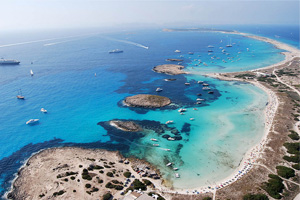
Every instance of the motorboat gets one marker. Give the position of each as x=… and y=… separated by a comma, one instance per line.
x=177, y=51
x=20, y=96
x=187, y=84
x=170, y=122
x=170, y=138
x=32, y=121
x=156, y=145
x=177, y=175
x=43, y=110
x=159, y=89
x=116, y=51
x=153, y=139
x=169, y=164
x=181, y=110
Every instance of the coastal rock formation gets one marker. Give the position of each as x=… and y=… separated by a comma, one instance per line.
x=147, y=101
x=170, y=69
x=129, y=126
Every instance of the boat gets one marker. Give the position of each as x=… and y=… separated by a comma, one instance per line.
x=192, y=119
x=175, y=168
x=247, y=49
x=170, y=138
x=167, y=149
x=195, y=109
x=43, y=110
x=198, y=102
x=177, y=51
x=187, y=84
x=31, y=72
x=20, y=96
x=156, y=145
x=153, y=139
x=210, y=51
x=181, y=110
x=169, y=164
x=210, y=92
x=191, y=53
x=116, y=51
x=158, y=90
x=199, y=94
x=32, y=121
x=170, y=79
x=198, y=99
x=170, y=122
x=229, y=45
x=9, y=62
x=205, y=88
x=182, y=113
x=200, y=82
x=210, y=46
x=177, y=175
x=205, y=84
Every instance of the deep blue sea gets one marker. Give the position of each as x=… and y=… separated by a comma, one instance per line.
x=81, y=84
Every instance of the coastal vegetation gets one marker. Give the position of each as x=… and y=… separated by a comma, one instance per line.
x=285, y=172
x=274, y=186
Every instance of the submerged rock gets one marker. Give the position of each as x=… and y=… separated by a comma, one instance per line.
x=147, y=101
x=174, y=59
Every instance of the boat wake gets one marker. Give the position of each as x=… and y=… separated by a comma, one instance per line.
x=54, y=43
x=44, y=40
x=126, y=42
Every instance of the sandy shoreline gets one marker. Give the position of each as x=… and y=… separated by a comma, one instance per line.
x=254, y=153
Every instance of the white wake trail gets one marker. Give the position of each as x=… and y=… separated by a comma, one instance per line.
x=126, y=42
x=44, y=40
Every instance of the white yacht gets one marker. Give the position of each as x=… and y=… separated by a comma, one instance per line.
x=43, y=110
x=116, y=51
x=170, y=138
x=181, y=110
x=210, y=46
x=170, y=122
x=177, y=175
x=153, y=139
x=175, y=168
x=156, y=145
x=31, y=72
x=192, y=119
x=9, y=62
x=205, y=88
x=169, y=164
x=32, y=121
x=159, y=89
x=177, y=51
x=167, y=149
x=187, y=84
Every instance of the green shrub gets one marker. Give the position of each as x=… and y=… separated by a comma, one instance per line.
x=285, y=172
x=118, y=187
x=61, y=192
x=207, y=198
x=80, y=166
x=296, y=166
x=116, y=182
x=88, y=185
x=159, y=197
x=101, y=171
x=107, y=166
x=139, y=185
x=274, y=186
x=294, y=159
x=147, y=182
x=109, y=185
x=294, y=135
x=110, y=174
x=72, y=177
x=107, y=196
x=292, y=148
x=255, y=197
x=127, y=174
x=98, y=167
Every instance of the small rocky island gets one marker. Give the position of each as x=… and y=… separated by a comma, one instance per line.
x=147, y=101
x=170, y=69
x=128, y=126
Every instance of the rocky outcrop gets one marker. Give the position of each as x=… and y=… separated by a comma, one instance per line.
x=129, y=126
x=170, y=69
x=147, y=101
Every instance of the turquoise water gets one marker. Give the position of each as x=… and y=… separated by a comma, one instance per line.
x=226, y=124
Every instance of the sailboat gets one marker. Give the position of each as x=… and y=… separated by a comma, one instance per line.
x=20, y=96
x=229, y=45
x=31, y=72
